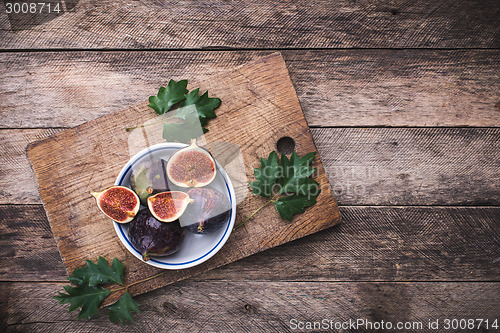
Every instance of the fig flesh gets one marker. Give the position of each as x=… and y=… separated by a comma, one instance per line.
x=208, y=213
x=153, y=238
x=119, y=203
x=149, y=177
x=168, y=206
x=191, y=166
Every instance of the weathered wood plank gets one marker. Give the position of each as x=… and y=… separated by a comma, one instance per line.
x=386, y=244
x=374, y=166
x=263, y=24
x=372, y=244
x=398, y=88
x=412, y=166
x=335, y=87
x=28, y=251
x=17, y=183
x=213, y=306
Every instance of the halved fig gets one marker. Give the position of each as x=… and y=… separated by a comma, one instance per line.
x=168, y=206
x=119, y=203
x=191, y=166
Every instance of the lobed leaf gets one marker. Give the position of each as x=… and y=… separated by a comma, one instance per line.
x=295, y=174
x=84, y=296
x=293, y=178
x=288, y=206
x=266, y=176
x=169, y=96
x=205, y=105
x=100, y=273
x=121, y=311
x=195, y=110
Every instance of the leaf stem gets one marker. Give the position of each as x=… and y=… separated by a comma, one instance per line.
x=126, y=286
x=258, y=209
x=128, y=129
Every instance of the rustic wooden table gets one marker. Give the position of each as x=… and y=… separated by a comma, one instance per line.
x=403, y=102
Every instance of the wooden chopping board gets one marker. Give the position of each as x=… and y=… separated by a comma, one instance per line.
x=259, y=106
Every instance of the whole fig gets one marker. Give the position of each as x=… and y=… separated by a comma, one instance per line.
x=154, y=238
x=208, y=212
x=149, y=177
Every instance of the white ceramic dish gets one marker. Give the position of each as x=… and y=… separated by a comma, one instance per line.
x=195, y=249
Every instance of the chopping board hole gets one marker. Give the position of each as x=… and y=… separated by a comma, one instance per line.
x=285, y=145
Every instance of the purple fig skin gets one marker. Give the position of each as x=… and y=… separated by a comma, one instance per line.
x=154, y=238
x=209, y=211
x=149, y=178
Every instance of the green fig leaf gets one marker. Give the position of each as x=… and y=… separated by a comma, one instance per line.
x=84, y=296
x=88, y=294
x=169, y=96
x=287, y=183
x=121, y=311
x=288, y=206
x=266, y=176
x=194, y=109
x=295, y=174
x=205, y=105
x=100, y=273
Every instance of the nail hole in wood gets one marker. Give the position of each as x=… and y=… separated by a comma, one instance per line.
x=249, y=308
x=170, y=307
x=285, y=145
x=394, y=11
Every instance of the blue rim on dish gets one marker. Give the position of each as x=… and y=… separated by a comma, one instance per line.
x=207, y=255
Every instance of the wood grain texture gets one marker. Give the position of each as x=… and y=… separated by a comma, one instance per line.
x=412, y=166
x=234, y=306
x=385, y=244
x=264, y=24
x=365, y=166
x=28, y=251
x=261, y=107
x=17, y=183
x=372, y=244
x=335, y=87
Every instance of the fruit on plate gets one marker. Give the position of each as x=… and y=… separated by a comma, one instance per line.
x=153, y=238
x=149, y=177
x=209, y=211
x=119, y=203
x=191, y=166
x=168, y=206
